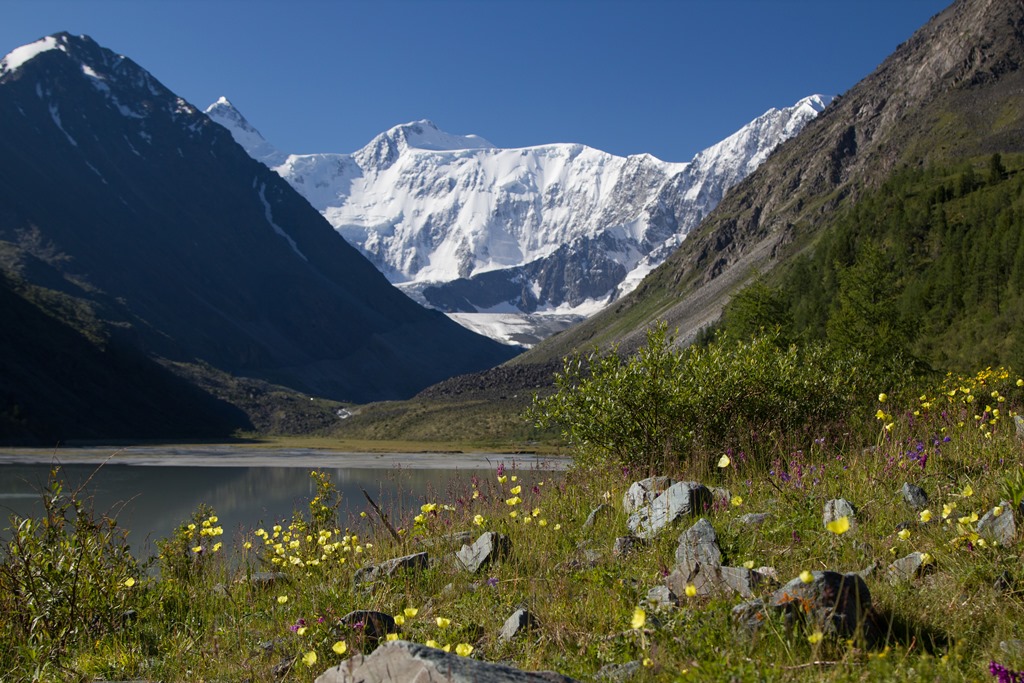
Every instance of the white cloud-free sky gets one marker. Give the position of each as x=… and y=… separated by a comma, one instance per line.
x=666, y=77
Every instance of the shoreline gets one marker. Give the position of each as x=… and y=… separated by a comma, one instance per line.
x=242, y=456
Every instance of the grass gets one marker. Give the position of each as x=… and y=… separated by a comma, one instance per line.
x=203, y=616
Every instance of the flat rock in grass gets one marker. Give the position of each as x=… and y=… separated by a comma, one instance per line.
x=489, y=547
x=591, y=520
x=754, y=519
x=373, y=625
x=711, y=579
x=454, y=540
x=417, y=561
x=675, y=502
x=837, y=509
x=399, y=661
x=914, y=496
x=1000, y=528
x=642, y=492
x=521, y=620
x=699, y=544
x=838, y=603
x=908, y=568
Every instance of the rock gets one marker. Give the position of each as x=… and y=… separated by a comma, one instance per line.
x=749, y=616
x=642, y=492
x=754, y=519
x=390, y=567
x=400, y=661
x=699, y=544
x=522, y=619
x=837, y=509
x=618, y=672
x=914, y=496
x=373, y=625
x=907, y=568
x=1018, y=422
x=714, y=579
x=264, y=579
x=624, y=545
x=1001, y=529
x=675, y=502
x=662, y=596
x=592, y=517
x=837, y=603
x=489, y=547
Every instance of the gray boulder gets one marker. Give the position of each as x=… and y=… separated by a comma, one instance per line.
x=677, y=501
x=1002, y=528
x=908, y=568
x=400, y=661
x=699, y=544
x=914, y=496
x=624, y=545
x=838, y=603
x=662, y=596
x=390, y=567
x=489, y=547
x=642, y=492
x=521, y=620
x=754, y=519
x=713, y=579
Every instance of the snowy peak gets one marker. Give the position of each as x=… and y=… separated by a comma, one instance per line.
x=244, y=133
x=424, y=135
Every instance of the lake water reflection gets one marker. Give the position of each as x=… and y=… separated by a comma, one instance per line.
x=150, y=501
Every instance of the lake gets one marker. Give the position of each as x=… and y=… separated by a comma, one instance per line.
x=152, y=490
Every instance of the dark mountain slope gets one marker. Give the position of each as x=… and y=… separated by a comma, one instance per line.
x=950, y=93
x=188, y=249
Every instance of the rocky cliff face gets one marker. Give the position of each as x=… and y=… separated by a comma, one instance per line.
x=951, y=92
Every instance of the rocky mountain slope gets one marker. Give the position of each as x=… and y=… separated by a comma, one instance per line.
x=950, y=93
x=532, y=235
x=134, y=225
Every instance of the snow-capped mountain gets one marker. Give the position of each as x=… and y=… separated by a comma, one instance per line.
x=552, y=230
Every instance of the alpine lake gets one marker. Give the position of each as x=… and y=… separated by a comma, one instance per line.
x=150, y=491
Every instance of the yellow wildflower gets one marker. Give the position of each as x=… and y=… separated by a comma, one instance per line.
x=639, y=619
x=309, y=659
x=463, y=649
x=724, y=461
x=815, y=638
x=839, y=526
x=806, y=576
x=443, y=622
x=691, y=590
x=340, y=647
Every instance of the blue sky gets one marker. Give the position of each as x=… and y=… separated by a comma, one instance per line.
x=667, y=77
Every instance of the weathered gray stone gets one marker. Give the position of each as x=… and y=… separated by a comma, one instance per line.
x=749, y=616
x=624, y=545
x=838, y=603
x=914, y=496
x=908, y=568
x=521, y=620
x=591, y=520
x=754, y=519
x=837, y=509
x=662, y=596
x=618, y=672
x=453, y=540
x=373, y=625
x=642, y=492
x=699, y=544
x=417, y=561
x=677, y=501
x=1000, y=528
x=489, y=547
x=400, y=661
x=716, y=580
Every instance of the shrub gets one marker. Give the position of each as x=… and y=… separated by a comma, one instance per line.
x=667, y=404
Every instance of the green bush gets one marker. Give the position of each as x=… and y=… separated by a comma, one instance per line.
x=669, y=405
